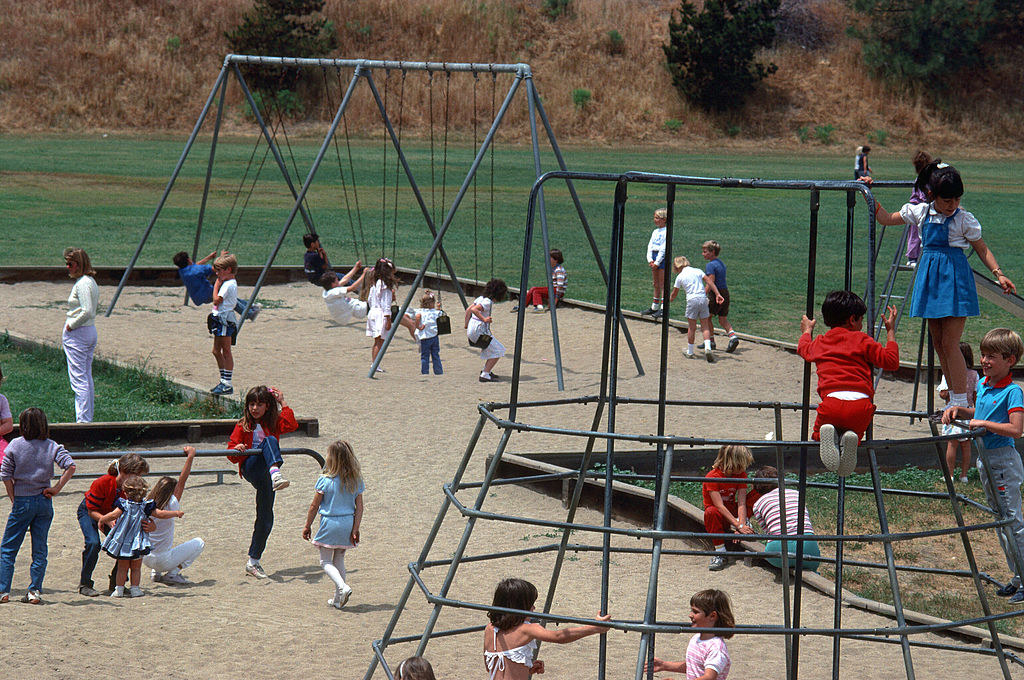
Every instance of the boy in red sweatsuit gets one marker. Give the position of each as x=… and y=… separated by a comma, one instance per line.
x=844, y=357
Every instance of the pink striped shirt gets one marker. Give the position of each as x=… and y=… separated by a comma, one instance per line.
x=704, y=654
x=766, y=512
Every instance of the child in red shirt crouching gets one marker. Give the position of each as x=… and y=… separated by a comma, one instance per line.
x=727, y=504
x=844, y=357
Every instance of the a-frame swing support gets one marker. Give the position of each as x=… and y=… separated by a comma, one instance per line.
x=363, y=68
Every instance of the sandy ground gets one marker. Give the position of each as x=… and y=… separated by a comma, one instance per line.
x=409, y=432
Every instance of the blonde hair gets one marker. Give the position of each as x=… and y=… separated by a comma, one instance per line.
x=228, y=262
x=681, y=261
x=134, y=488
x=661, y=214
x=341, y=463
x=1003, y=341
x=712, y=246
x=733, y=458
x=428, y=300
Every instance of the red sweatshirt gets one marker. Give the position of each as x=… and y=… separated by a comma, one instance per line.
x=285, y=423
x=844, y=358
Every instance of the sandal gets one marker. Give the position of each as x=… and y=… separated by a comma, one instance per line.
x=32, y=597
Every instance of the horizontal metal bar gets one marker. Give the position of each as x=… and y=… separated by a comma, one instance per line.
x=442, y=66
x=177, y=453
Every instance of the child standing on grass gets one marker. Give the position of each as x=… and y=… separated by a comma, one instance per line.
x=707, y=656
x=341, y=307
x=727, y=504
x=264, y=419
x=538, y=295
x=693, y=281
x=196, y=278
x=6, y=419
x=656, y=261
x=127, y=542
x=426, y=333
x=1000, y=410
x=478, y=327
x=962, y=446
x=844, y=357
x=510, y=641
x=338, y=500
x=222, y=323
x=944, y=290
x=716, y=272
x=26, y=471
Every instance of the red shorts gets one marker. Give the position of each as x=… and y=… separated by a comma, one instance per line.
x=845, y=415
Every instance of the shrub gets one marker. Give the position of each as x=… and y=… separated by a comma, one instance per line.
x=173, y=44
x=616, y=44
x=557, y=8
x=824, y=133
x=732, y=130
x=581, y=97
x=802, y=133
x=283, y=102
x=878, y=137
x=673, y=125
x=711, y=53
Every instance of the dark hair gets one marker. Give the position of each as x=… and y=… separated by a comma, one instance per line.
x=556, y=255
x=181, y=259
x=495, y=290
x=260, y=394
x=32, y=422
x=766, y=472
x=920, y=160
x=328, y=279
x=714, y=600
x=512, y=593
x=840, y=305
x=415, y=668
x=865, y=149
x=924, y=175
x=384, y=270
x=946, y=182
x=162, y=491
x=309, y=239
x=968, y=352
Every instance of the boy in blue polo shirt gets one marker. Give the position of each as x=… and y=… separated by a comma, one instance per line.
x=196, y=277
x=999, y=408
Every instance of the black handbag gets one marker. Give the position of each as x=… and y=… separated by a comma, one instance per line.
x=481, y=342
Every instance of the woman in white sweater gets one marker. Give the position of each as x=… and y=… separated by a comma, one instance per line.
x=79, y=336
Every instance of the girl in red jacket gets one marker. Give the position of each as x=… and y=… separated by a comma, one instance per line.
x=266, y=417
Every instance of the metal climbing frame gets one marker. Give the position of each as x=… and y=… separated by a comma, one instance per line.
x=669, y=448
x=363, y=69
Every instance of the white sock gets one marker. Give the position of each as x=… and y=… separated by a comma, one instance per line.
x=329, y=563
x=485, y=374
x=732, y=334
x=707, y=344
x=253, y=561
x=119, y=590
x=274, y=469
x=689, y=348
x=958, y=399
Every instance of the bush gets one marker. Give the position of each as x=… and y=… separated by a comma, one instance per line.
x=803, y=133
x=557, y=8
x=581, y=97
x=283, y=102
x=673, y=125
x=878, y=137
x=824, y=133
x=711, y=53
x=616, y=44
x=173, y=44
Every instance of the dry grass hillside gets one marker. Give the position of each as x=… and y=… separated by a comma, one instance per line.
x=138, y=65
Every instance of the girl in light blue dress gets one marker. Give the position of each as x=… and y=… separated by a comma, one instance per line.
x=127, y=542
x=944, y=291
x=338, y=499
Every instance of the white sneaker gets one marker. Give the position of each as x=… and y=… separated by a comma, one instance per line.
x=176, y=578
x=341, y=599
x=135, y=591
x=119, y=592
x=847, y=453
x=155, y=576
x=279, y=481
x=829, y=449
x=256, y=570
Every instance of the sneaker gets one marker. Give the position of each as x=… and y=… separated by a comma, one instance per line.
x=538, y=308
x=1018, y=597
x=649, y=312
x=847, y=453
x=120, y=592
x=136, y=591
x=1009, y=589
x=155, y=576
x=255, y=570
x=515, y=308
x=733, y=344
x=658, y=313
x=175, y=579
x=222, y=388
x=717, y=563
x=713, y=346
x=341, y=598
x=279, y=481
x=489, y=378
x=88, y=591
x=829, y=450
x=255, y=311
x=690, y=355
x=32, y=597
x=5, y=598
x=709, y=356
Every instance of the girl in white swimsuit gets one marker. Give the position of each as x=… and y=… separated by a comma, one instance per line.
x=510, y=641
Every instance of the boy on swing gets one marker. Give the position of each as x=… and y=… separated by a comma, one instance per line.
x=196, y=277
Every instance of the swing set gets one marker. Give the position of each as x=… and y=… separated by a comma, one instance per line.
x=438, y=216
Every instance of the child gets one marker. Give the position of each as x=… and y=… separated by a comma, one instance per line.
x=844, y=357
x=656, y=261
x=767, y=511
x=861, y=169
x=707, y=657
x=1000, y=410
x=727, y=504
x=127, y=542
x=26, y=471
x=339, y=501
x=510, y=641
x=538, y=295
x=693, y=281
x=315, y=263
x=478, y=327
x=6, y=419
x=383, y=284
x=415, y=668
x=944, y=291
x=196, y=277
x=921, y=160
x=98, y=501
x=426, y=333
x=266, y=417
x=716, y=272
x=222, y=321
x=964, y=445
x=341, y=307
x=165, y=559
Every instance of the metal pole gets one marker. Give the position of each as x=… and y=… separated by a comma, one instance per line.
x=851, y=203
x=650, y=611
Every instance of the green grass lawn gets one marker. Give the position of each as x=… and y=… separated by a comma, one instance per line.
x=100, y=193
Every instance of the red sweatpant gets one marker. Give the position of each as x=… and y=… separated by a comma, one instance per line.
x=714, y=523
x=537, y=296
x=844, y=415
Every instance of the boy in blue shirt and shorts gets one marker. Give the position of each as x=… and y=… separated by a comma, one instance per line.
x=196, y=277
x=999, y=408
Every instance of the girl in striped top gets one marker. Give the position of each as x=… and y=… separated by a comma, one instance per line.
x=767, y=511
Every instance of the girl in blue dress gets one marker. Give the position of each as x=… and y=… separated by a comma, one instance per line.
x=944, y=291
x=338, y=499
x=127, y=542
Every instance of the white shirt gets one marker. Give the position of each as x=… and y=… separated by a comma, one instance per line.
x=338, y=304
x=428, y=317
x=963, y=229
x=691, y=280
x=162, y=537
x=657, y=242
x=82, y=303
x=229, y=292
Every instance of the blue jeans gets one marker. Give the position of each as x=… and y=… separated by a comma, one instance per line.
x=91, y=552
x=430, y=349
x=32, y=514
x=1005, y=499
x=256, y=471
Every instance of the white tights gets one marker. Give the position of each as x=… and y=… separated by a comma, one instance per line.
x=333, y=562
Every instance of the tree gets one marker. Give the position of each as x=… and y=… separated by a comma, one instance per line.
x=711, y=53
x=282, y=28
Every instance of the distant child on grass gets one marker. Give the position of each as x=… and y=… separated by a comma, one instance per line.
x=510, y=640
x=6, y=419
x=767, y=511
x=341, y=307
x=222, y=322
x=962, y=446
x=656, y=261
x=693, y=281
x=707, y=656
x=26, y=471
x=478, y=327
x=844, y=357
x=338, y=499
x=716, y=272
x=196, y=277
x=127, y=542
x=727, y=504
x=426, y=333
x=1000, y=410
x=538, y=295
x=314, y=263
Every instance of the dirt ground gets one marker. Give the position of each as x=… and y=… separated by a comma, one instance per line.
x=409, y=432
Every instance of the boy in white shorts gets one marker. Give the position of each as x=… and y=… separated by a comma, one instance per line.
x=694, y=281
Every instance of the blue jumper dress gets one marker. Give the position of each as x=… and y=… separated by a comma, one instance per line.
x=944, y=284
